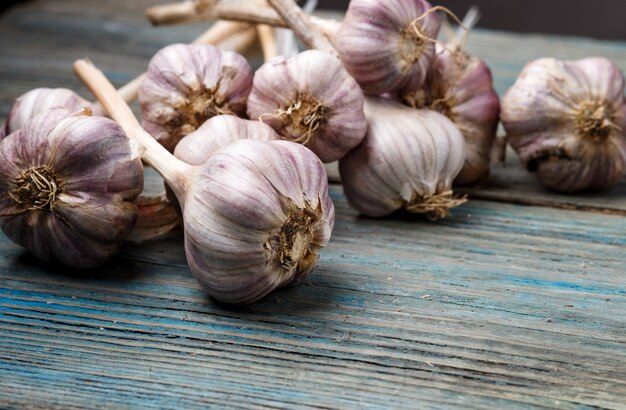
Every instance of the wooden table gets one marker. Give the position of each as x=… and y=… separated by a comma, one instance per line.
x=504, y=305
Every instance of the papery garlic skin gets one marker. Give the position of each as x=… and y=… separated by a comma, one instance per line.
x=37, y=101
x=217, y=133
x=187, y=84
x=380, y=46
x=566, y=121
x=460, y=86
x=67, y=183
x=310, y=99
x=408, y=160
x=256, y=219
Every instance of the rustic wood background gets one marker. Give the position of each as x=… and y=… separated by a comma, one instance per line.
x=500, y=306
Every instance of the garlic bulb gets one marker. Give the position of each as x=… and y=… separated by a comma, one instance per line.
x=461, y=87
x=187, y=84
x=67, y=182
x=37, y=101
x=256, y=214
x=218, y=132
x=266, y=233
x=310, y=99
x=408, y=160
x=566, y=121
x=388, y=45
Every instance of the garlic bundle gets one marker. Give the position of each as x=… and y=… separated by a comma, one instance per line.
x=218, y=132
x=256, y=213
x=408, y=160
x=388, y=45
x=67, y=182
x=37, y=101
x=566, y=121
x=187, y=84
x=461, y=87
x=312, y=100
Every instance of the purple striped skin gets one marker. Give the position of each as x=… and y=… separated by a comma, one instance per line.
x=406, y=154
x=460, y=86
x=277, y=85
x=98, y=172
x=241, y=200
x=373, y=49
x=37, y=101
x=541, y=115
x=175, y=77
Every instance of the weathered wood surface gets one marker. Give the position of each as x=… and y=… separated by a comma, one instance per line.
x=500, y=306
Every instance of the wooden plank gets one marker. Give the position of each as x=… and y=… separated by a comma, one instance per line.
x=499, y=306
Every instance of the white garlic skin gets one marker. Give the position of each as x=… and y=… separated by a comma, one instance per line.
x=90, y=173
x=217, y=133
x=246, y=197
x=566, y=120
x=187, y=84
x=335, y=100
x=37, y=101
x=460, y=86
x=407, y=156
x=379, y=46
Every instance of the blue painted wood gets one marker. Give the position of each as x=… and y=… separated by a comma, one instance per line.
x=500, y=306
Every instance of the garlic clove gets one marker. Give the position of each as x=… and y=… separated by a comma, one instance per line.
x=310, y=99
x=388, y=45
x=266, y=233
x=566, y=121
x=37, y=101
x=460, y=86
x=60, y=197
x=187, y=84
x=408, y=160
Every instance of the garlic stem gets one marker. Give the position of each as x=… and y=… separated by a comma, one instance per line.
x=302, y=26
x=158, y=15
x=267, y=37
x=175, y=172
x=172, y=13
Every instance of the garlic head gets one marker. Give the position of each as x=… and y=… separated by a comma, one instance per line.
x=566, y=121
x=37, y=101
x=256, y=219
x=312, y=100
x=67, y=182
x=388, y=45
x=187, y=84
x=408, y=160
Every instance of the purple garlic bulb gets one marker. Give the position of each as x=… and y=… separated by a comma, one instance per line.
x=256, y=219
x=67, y=182
x=186, y=85
x=461, y=87
x=566, y=121
x=408, y=160
x=388, y=45
x=37, y=101
x=310, y=99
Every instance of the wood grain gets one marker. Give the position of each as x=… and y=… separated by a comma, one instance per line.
x=500, y=306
